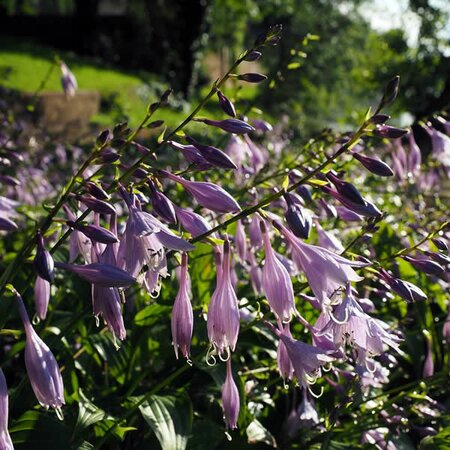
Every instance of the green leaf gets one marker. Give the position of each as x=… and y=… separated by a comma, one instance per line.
x=88, y=413
x=285, y=182
x=170, y=418
x=206, y=435
x=161, y=136
x=293, y=65
x=256, y=432
x=150, y=315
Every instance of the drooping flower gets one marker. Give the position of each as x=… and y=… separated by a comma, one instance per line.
x=42, y=368
x=276, y=281
x=182, y=314
x=241, y=241
x=230, y=399
x=235, y=126
x=41, y=297
x=285, y=366
x=325, y=271
x=223, y=312
x=5, y=438
x=68, y=81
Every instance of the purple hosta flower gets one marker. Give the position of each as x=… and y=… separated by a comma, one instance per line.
x=276, y=282
x=192, y=222
x=350, y=324
x=327, y=209
x=226, y=105
x=161, y=204
x=7, y=224
x=325, y=271
x=285, y=366
x=223, y=311
x=440, y=146
x=255, y=273
x=94, y=232
x=231, y=402
x=213, y=155
x=99, y=206
x=240, y=240
x=96, y=191
x=207, y=194
x=254, y=232
x=307, y=412
x=347, y=215
x=377, y=437
x=446, y=327
x=327, y=240
x=41, y=297
x=100, y=274
x=406, y=290
x=238, y=150
x=306, y=359
x=441, y=244
x=374, y=165
x=192, y=155
x=42, y=368
x=258, y=155
x=5, y=439
x=43, y=261
x=440, y=258
x=298, y=219
x=182, y=314
x=262, y=125
x=68, y=81
x=252, y=77
x=235, y=126
x=79, y=244
x=414, y=156
x=425, y=265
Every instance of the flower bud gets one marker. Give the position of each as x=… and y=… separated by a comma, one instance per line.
x=299, y=221
x=41, y=297
x=406, y=290
x=379, y=118
x=440, y=258
x=252, y=56
x=43, y=261
x=99, y=206
x=108, y=155
x=252, y=77
x=270, y=37
x=68, y=81
x=96, y=191
x=390, y=91
x=161, y=204
x=440, y=244
x=192, y=155
x=425, y=265
x=235, y=126
x=213, y=155
x=101, y=274
x=230, y=399
x=42, y=368
x=7, y=224
x=262, y=125
x=103, y=138
x=192, y=222
x=226, y=105
x=375, y=166
x=388, y=132
x=94, y=232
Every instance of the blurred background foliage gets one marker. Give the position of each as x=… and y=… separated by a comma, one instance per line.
x=333, y=60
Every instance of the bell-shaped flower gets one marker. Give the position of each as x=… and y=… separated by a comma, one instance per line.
x=325, y=271
x=285, y=366
x=241, y=241
x=5, y=438
x=182, y=314
x=230, y=399
x=41, y=297
x=208, y=194
x=223, y=312
x=42, y=368
x=276, y=282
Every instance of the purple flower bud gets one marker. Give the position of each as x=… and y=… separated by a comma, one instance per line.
x=428, y=366
x=379, y=118
x=43, y=261
x=42, y=368
x=7, y=224
x=103, y=138
x=223, y=312
x=192, y=155
x=348, y=215
x=299, y=221
x=95, y=232
x=440, y=244
x=346, y=189
x=235, y=126
x=192, y=222
x=207, y=194
x=375, y=166
x=388, y=132
x=441, y=258
x=406, y=290
x=262, y=125
x=213, y=155
x=108, y=155
x=425, y=265
x=252, y=77
x=100, y=274
x=276, y=282
x=284, y=363
x=41, y=297
x=230, y=399
x=96, y=191
x=226, y=105
x=390, y=91
x=99, y=206
x=182, y=314
x=9, y=180
x=254, y=231
x=5, y=438
x=241, y=241
x=68, y=81
x=161, y=204
x=252, y=56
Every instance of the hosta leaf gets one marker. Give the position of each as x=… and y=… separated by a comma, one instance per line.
x=257, y=433
x=170, y=418
x=88, y=413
